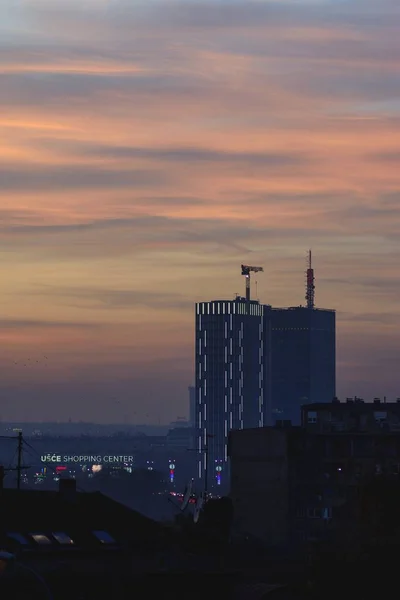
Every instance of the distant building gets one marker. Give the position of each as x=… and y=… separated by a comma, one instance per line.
x=231, y=371
x=290, y=484
x=256, y=365
x=180, y=438
x=303, y=359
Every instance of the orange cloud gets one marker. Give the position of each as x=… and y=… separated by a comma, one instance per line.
x=144, y=158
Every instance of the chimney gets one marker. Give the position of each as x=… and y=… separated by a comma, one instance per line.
x=67, y=490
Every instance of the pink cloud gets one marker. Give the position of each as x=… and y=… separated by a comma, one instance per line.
x=141, y=153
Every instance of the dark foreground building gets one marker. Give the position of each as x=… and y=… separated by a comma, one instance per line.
x=291, y=485
x=68, y=545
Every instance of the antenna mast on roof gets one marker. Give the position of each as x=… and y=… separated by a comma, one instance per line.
x=310, y=286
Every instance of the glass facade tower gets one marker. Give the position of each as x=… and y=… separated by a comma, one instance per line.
x=231, y=372
x=303, y=359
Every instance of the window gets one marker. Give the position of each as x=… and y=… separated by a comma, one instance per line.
x=41, y=539
x=312, y=416
x=314, y=513
x=18, y=537
x=62, y=538
x=104, y=537
x=319, y=513
x=358, y=470
x=380, y=415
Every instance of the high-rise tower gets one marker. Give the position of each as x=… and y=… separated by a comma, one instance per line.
x=303, y=355
x=231, y=391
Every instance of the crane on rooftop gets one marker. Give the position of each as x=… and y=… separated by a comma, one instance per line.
x=246, y=270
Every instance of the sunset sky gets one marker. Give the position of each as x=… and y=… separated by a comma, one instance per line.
x=148, y=148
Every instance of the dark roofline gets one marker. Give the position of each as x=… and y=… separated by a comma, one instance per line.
x=359, y=403
x=301, y=307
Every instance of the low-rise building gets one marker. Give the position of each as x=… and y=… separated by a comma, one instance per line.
x=289, y=484
x=354, y=415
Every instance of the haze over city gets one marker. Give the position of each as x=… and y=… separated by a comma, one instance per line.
x=150, y=148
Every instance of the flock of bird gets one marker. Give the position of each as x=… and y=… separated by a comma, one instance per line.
x=31, y=361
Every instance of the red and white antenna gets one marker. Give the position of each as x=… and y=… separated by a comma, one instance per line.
x=310, y=287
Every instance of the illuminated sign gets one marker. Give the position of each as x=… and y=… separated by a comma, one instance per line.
x=88, y=459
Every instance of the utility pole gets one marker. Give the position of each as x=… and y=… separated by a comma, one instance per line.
x=19, y=462
x=206, y=472
x=209, y=435
x=19, y=466
x=205, y=452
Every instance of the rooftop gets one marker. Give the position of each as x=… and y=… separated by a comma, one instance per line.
x=56, y=520
x=354, y=403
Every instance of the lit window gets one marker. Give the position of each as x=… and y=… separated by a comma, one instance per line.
x=104, y=537
x=312, y=416
x=62, y=538
x=380, y=415
x=41, y=539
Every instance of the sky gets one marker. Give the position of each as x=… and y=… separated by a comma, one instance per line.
x=148, y=148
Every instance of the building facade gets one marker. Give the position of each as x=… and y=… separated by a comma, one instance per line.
x=231, y=371
x=291, y=485
x=354, y=415
x=192, y=405
x=303, y=359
